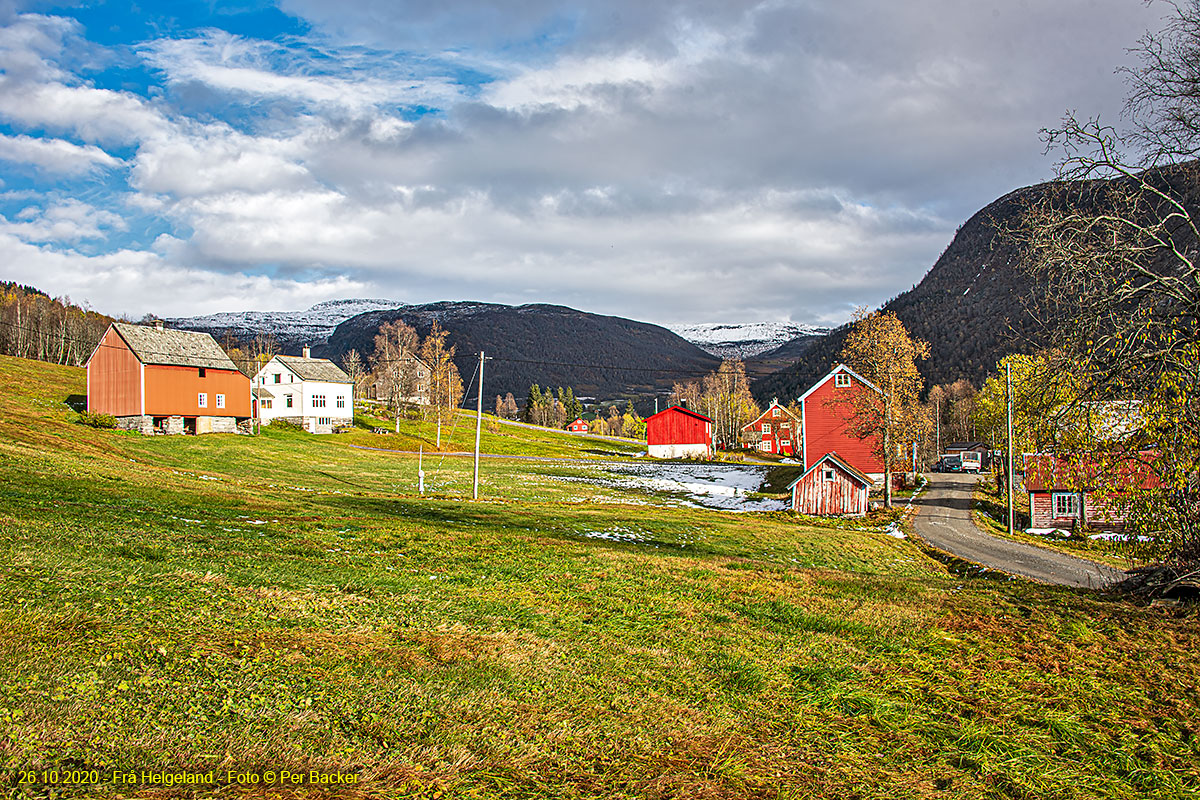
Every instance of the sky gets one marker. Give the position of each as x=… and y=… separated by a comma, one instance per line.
x=672, y=162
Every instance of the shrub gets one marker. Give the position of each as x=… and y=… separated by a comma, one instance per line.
x=98, y=420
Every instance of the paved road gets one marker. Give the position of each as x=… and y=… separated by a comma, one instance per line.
x=943, y=519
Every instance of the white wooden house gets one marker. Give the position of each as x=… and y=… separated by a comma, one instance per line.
x=313, y=393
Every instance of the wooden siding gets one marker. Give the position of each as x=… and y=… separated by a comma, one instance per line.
x=676, y=426
x=816, y=496
x=114, y=377
x=1099, y=513
x=825, y=430
x=175, y=391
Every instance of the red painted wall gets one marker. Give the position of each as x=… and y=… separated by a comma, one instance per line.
x=676, y=426
x=114, y=378
x=826, y=431
x=815, y=496
x=175, y=391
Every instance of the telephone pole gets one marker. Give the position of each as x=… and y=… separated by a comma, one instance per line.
x=478, y=427
x=1008, y=483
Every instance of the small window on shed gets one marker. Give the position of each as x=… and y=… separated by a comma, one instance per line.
x=828, y=474
x=202, y=399
x=201, y=372
x=841, y=379
x=220, y=401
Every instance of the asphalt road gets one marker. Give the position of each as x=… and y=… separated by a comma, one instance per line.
x=943, y=519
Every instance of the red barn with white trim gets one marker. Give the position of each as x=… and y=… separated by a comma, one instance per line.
x=775, y=431
x=679, y=433
x=825, y=411
x=578, y=426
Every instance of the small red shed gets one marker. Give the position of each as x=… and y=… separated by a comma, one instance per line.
x=1063, y=490
x=825, y=413
x=679, y=433
x=578, y=426
x=775, y=431
x=831, y=486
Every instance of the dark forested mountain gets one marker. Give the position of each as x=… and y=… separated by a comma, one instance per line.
x=970, y=307
x=599, y=356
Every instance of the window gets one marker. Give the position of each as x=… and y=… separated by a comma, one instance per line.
x=201, y=372
x=841, y=379
x=287, y=400
x=202, y=399
x=318, y=401
x=783, y=426
x=1065, y=504
x=766, y=445
x=278, y=377
x=324, y=421
x=828, y=474
x=766, y=428
x=265, y=403
x=341, y=402
x=775, y=411
x=220, y=401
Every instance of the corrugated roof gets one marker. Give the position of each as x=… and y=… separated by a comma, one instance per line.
x=315, y=369
x=173, y=347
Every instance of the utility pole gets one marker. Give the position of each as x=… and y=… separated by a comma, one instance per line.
x=421, y=469
x=1009, y=482
x=478, y=427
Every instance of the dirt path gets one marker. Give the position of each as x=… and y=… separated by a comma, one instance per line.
x=943, y=519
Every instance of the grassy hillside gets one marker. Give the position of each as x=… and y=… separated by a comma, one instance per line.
x=288, y=603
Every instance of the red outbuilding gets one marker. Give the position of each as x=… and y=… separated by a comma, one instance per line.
x=1067, y=491
x=578, y=426
x=825, y=413
x=679, y=433
x=156, y=380
x=831, y=487
x=775, y=431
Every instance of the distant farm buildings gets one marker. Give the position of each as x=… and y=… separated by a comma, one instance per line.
x=679, y=433
x=156, y=380
x=578, y=426
x=774, y=431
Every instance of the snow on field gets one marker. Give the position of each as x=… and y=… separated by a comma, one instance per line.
x=721, y=486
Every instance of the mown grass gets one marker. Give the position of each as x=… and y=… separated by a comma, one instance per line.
x=289, y=602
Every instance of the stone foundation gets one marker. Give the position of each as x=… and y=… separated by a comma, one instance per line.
x=143, y=425
x=175, y=425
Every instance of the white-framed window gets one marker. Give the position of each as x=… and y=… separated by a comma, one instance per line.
x=766, y=445
x=324, y=421
x=220, y=401
x=278, y=378
x=783, y=426
x=841, y=379
x=318, y=401
x=775, y=411
x=828, y=474
x=1064, y=504
x=766, y=428
x=265, y=403
x=341, y=402
x=202, y=399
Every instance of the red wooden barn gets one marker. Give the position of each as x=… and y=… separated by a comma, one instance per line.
x=679, y=433
x=829, y=487
x=166, y=381
x=1063, y=490
x=824, y=413
x=578, y=426
x=775, y=431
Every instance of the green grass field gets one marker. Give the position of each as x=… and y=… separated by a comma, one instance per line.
x=289, y=603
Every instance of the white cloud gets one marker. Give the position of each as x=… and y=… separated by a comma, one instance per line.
x=68, y=222
x=55, y=155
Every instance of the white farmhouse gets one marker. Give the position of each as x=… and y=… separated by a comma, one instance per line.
x=313, y=393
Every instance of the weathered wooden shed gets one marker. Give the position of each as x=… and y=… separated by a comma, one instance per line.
x=679, y=433
x=830, y=487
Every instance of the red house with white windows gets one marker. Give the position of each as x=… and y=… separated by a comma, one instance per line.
x=825, y=413
x=1064, y=491
x=775, y=431
x=679, y=433
x=578, y=426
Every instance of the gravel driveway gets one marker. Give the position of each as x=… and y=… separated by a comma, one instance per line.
x=943, y=519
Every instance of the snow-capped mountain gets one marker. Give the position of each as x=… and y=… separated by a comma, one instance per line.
x=746, y=340
x=290, y=328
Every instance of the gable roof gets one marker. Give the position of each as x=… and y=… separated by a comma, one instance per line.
x=833, y=457
x=967, y=446
x=774, y=404
x=171, y=347
x=834, y=371
x=680, y=409
x=314, y=369
x=1082, y=471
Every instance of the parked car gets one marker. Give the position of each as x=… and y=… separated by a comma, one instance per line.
x=949, y=463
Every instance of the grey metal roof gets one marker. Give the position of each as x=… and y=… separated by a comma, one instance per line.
x=259, y=391
x=173, y=347
x=315, y=369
